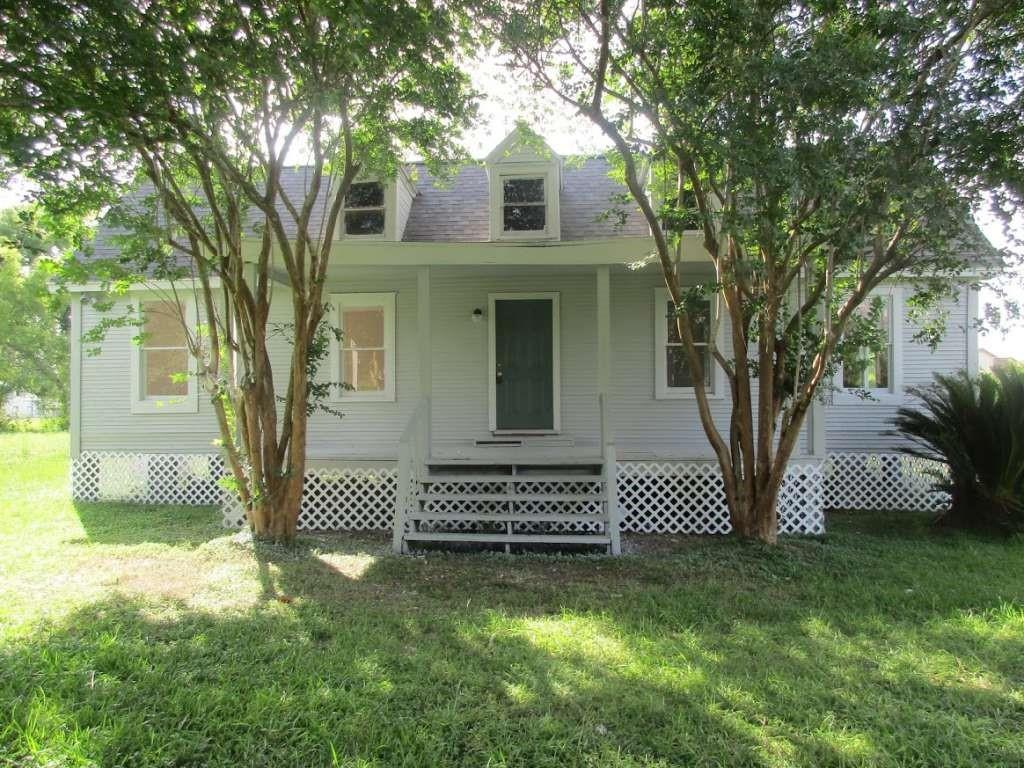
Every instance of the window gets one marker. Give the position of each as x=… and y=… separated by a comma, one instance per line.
x=673, y=376
x=365, y=355
x=163, y=373
x=866, y=369
x=364, y=209
x=878, y=373
x=524, y=208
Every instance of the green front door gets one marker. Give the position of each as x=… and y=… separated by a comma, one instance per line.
x=524, y=364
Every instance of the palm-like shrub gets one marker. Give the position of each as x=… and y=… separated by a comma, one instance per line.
x=975, y=425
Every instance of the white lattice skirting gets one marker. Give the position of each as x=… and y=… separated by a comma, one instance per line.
x=654, y=497
x=882, y=481
x=688, y=497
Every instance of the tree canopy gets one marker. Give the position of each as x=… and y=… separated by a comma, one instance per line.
x=209, y=104
x=817, y=149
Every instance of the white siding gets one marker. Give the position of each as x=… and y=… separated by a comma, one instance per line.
x=404, y=193
x=107, y=421
x=644, y=427
x=862, y=425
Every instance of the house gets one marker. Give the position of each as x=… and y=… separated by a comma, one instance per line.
x=512, y=377
x=990, y=361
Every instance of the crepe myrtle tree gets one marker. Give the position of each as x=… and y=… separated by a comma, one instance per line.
x=817, y=149
x=206, y=105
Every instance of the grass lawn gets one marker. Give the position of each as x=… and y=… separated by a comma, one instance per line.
x=147, y=637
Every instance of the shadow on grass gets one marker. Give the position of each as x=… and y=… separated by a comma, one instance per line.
x=130, y=524
x=813, y=654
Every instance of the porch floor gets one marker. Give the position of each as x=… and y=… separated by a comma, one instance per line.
x=547, y=450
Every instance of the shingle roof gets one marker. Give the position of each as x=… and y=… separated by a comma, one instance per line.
x=457, y=209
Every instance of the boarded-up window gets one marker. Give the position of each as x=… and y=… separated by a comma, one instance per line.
x=367, y=346
x=164, y=354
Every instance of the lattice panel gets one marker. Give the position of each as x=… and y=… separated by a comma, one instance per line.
x=882, y=481
x=688, y=497
x=147, y=478
x=337, y=500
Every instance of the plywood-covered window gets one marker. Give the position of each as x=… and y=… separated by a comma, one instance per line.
x=163, y=375
x=365, y=355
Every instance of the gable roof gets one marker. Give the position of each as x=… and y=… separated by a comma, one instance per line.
x=458, y=211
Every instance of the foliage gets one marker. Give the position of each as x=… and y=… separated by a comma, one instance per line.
x=882, y=645
x=975, y=425
x=200, y=109
x=814, y=151
x=33, y=320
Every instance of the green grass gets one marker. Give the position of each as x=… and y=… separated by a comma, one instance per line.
x=147, y=637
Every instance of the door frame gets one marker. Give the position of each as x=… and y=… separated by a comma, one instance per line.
x=556, y=369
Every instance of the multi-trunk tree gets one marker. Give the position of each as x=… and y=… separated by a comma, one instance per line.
x=208, y=104
x=818, y=149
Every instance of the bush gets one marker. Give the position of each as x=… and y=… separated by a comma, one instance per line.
x=976, y=426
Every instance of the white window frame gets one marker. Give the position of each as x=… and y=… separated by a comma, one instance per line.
x=662, y=391
x=547, y=172
x=387, y=207
x=893, y=394
x=140, y=404
x=342, y=301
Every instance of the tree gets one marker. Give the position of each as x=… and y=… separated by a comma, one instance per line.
x=33, y=319
x=208, y=103
x=819, y=148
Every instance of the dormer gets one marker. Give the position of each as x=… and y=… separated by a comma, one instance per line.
x=524, y=180
x=377, y=208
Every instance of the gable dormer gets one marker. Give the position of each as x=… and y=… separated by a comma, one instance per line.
x=377, y=208
x=524, y=181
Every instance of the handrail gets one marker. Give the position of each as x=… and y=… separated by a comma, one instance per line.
x=413, y=453
x=606, y=433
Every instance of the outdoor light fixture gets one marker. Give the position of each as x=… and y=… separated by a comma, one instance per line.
x=478, y=315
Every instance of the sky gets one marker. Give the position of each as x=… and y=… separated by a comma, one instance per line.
x=507, y=100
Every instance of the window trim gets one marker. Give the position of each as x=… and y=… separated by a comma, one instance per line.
x=893, y=394
x=515, y=170
x=140, y=404
x=662, y=391
x=386, y=208
x=341, y=301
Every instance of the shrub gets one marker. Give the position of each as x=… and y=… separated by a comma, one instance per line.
x=975, y=425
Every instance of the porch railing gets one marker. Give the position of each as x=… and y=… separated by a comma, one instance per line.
x=413, y=454
x=611, y=486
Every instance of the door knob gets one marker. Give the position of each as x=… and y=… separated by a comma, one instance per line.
x=498, y=375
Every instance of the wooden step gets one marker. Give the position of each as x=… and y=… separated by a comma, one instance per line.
x=455, y=496
x=506, y=478
x=515, y=538
x=509, y=517
x=525, y=461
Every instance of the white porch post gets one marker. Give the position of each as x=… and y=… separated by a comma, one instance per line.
x=75, y=365
x=604, y=367
x=425, y=343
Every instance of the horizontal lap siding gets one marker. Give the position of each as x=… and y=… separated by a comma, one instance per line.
x=107, y=421
x=368, y=430
x=647, y=427
x=460, y=364
x=861, y=426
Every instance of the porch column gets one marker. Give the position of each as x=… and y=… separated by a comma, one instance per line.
x=425, y=342
x=604, y=332
x=604, y=370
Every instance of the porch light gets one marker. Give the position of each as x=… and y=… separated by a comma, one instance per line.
x=478, y=315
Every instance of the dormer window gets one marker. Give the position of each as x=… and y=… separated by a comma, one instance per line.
x=364, y=209
x=524, y=207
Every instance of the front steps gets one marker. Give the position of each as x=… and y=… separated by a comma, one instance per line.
x=552, y=501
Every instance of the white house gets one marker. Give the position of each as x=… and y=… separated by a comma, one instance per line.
x=513, y=377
